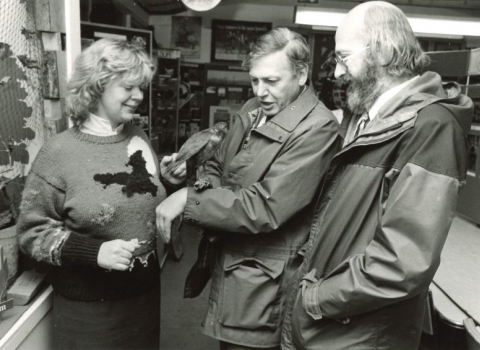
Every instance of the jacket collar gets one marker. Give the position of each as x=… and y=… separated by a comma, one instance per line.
x=291, y=115
x=400, y=112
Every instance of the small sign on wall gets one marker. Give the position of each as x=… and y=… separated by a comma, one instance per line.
x=231, y=40
x=307, y=1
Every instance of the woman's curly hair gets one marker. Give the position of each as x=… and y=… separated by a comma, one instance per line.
x=103, y=61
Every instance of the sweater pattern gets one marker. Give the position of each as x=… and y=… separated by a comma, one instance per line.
x=84, y=190
x=138, y=181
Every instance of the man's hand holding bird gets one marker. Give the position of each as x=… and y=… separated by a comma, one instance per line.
x=181, y=167
x=199, y=148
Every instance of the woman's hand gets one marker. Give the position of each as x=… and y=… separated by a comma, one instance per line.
x=168, y=210
x=176, y=177
x=116, y=254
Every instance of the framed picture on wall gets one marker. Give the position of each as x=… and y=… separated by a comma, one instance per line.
x=231, y=39
x=187, y=36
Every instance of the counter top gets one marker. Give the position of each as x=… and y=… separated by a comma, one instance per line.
x=459, y=273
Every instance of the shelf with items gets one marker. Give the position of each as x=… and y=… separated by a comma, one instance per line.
x=227, y=88
x=191, y=99
x=166, y=103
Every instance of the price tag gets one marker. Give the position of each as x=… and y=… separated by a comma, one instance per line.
x=6, y=305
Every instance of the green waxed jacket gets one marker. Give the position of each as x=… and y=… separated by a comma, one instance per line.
x=380, y=224
x=261, y=207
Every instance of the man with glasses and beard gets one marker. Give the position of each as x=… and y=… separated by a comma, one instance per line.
x=390, y=195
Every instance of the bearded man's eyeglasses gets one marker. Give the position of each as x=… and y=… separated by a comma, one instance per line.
x=342, y=60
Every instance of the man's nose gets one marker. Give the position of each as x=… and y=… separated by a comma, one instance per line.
x=339, y=71
x=262, y=89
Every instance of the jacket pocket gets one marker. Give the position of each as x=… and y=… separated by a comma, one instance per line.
x=251, y=293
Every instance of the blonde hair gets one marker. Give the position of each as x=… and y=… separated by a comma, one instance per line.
x=279, y=39
x=389, y=33
x=103, y=61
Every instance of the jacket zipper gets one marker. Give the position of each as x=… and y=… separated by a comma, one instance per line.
x=352, y=145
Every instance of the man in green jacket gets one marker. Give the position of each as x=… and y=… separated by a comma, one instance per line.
x=390, y=194
x=264, y=175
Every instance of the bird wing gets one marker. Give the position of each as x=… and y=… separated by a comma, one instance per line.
x=216, y=138
x=191, y=147
x=208, y=151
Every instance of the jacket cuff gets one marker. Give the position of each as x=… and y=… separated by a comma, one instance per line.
x=310, y=291
x=189, y=211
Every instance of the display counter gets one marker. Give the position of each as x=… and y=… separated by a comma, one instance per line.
x=458, y=275
x=29, y=326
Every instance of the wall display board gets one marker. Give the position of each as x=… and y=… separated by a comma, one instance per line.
x=231, y=39
x=91, y=32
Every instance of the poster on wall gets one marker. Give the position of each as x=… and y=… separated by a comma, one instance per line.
x=187, y=36
x=231, y=39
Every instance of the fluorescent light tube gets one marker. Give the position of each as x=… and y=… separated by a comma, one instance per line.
x=327, y=18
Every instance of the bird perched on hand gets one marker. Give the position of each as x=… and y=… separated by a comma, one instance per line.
x=199, y=148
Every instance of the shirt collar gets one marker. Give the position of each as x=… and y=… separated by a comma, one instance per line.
x=94, y=125
x=387, y=95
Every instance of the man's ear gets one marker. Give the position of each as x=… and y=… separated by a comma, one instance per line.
x=383, y=57
x=303, y=75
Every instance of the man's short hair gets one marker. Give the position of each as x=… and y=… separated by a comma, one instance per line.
x=388, y=32
x=279, y=39
x=99, y=64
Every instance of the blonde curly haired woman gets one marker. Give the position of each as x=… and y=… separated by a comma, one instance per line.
x=88, y=208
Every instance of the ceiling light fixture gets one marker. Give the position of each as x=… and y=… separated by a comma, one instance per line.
x=201, y=5
x=329, y=19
